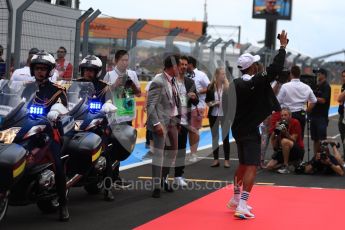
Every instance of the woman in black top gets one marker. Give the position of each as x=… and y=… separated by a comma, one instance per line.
x=217, y=100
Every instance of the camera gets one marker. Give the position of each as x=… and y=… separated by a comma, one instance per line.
x=310, y=80
x=283, y=77
x=126, y=81
x=283, y=124
x=324, y=151
x=300, y=169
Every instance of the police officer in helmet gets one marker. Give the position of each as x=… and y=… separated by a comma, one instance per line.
x=42, y=67
x=90, y=69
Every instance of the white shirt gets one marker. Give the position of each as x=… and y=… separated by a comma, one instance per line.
x=23, y=74
x=112, y=76
x=201, y=82
x=217, y=111
x=174, y=111
x=295, y=94
x=182, y=91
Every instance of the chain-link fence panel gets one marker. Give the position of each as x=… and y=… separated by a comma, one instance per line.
x=47, y=27
x=4, y=16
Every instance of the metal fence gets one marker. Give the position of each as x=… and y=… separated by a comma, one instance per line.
x=47, y=27
x=5, y=32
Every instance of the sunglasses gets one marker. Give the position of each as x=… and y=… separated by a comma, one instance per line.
x=272, y=2
x=41, y=68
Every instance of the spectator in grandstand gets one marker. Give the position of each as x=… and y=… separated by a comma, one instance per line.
x=217, y=99
x=294, y=95
x=270, y=8
x=201, y=82
x=64, y=67
x=125, y=83
x=341, y=123
x=287, y=142
x=319, y=114
x=188, y=96
x=24, y=74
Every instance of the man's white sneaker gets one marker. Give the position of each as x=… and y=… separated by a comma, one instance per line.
x=243, y=213
x=283, y=170
x=232, y=204
x=180, y=181
x=193, y=158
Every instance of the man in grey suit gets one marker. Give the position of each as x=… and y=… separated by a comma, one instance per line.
x=163, y=110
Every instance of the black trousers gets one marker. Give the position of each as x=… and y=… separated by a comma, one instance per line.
x=116, y=173
x=341, y=127
x=181, y=152
x=225, y=125
x=60, y=176
x=300, y=116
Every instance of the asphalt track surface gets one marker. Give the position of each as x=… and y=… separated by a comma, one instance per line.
x=134, y=207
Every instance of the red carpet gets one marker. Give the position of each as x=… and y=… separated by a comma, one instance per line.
x=277, y=208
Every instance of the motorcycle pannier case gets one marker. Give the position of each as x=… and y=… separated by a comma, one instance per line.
x=84, y=149
x=12, y=164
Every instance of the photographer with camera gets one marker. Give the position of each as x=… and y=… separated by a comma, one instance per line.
x=287, y=142
x=324, y=162
x=319, y=114
x=294, y=95
x=126, y=86
x=341, y=122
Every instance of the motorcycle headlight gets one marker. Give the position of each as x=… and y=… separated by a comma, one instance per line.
x=7, y=136
x=34, y=130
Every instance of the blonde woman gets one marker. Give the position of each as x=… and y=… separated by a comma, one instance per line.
x=217, y=98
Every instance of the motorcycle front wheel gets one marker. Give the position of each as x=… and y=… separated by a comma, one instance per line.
x=3, y=205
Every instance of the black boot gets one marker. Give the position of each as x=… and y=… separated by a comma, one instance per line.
x=156, y=193
x=166, y=186
x=108, y=195
x=63, y=213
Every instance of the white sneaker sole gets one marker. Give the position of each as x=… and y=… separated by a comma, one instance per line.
x=243, y=216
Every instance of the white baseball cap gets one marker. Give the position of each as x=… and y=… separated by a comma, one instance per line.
x=246, y=60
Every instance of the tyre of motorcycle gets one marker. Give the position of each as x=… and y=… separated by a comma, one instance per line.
x=3, y=205
x=12, y=162
x=123, y=139
x=84, y=149
x=48, y=206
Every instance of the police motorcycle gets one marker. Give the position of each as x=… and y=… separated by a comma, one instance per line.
x=79, y=163
x=91, y=115
x=26, y=164
x=26, y=167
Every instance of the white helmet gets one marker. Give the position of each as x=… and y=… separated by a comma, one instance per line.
x=91, y=62
x=43, y=58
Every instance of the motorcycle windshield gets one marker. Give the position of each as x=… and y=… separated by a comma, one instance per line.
x=77, y=91
x=14, y=95
x=10, y=95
